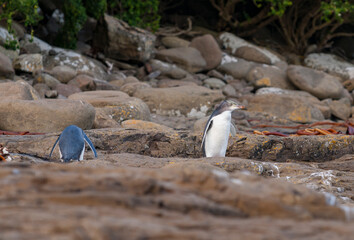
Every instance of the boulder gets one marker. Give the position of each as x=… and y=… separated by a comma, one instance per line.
x=45, y=115
x=66, y=90
x=84, y=82
x=238, y=68
x=188, y=58
x=63, y=73
x=167, y=69
x=145, y=125
x=232, y=43
x=213, y=83
x=41, y=89
x=269, y=76
x=209, y=49
x=6, y=69
x=19, y=90
x=331, y=64
x=252, y=54
x=340, y=108
x=29, y=62
x=46, y=79
x=120, y=41
x=131, y=88
x=103, y=119
x=118, y=105
x=319, y=84
x=193, y=101
x=283, y=106
x=166, y=83
x=174, y=42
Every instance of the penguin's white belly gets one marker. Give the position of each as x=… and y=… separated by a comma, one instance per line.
x=218, y=136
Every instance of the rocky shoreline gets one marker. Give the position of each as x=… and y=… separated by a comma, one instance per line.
x=144, y=104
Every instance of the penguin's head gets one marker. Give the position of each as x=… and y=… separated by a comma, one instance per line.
x=230, y=105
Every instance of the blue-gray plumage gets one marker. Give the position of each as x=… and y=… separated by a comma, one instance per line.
x=217, y=129
x=72, y=144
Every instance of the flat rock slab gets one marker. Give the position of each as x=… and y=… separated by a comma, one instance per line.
x=159, y=142
x=45, y=116
x=178, y=202
x=185, y=100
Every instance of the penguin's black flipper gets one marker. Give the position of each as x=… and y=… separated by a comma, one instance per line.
x=55, y=144
x=90, y=144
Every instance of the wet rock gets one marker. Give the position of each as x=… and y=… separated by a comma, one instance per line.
x=184, y=100
x=331, y=64
x=282, y=106
x=84, y=82
x=45, y=115
x=46, y=79
x=166, y=83
x=317, y=83
x=63, y=73
x=132, y=87
x=6, y=69
x=190, y=59
x=269, y=76
x=174, y=42
x=238, y=69
x=167, y=69
x=209, y=49
x=122, y=41
x=28, y=62
x=213, y=83
x=66, y=90
x=19, y=90
x=116, y=104
x=232, y=43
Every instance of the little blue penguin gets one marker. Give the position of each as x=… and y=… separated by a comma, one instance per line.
x=217, y=129
x=72, y=144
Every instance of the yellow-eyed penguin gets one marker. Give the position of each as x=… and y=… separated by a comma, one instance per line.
x=72, y=144
x=217, y=129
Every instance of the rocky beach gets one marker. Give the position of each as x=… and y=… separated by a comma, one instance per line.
x=143, y=99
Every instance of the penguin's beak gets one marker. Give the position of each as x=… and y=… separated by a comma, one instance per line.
x=242, y=107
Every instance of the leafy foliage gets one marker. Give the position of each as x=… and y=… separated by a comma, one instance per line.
x=95, y=8
x=139, y=13
x=74, y=17
x=26, y=10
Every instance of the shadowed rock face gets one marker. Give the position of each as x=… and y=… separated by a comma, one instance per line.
x=97, y=199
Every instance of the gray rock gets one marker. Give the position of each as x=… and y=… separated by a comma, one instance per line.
x=319, y=84
x=191, y=101
x=84, y=82
x=238, y=68
x=269, y=76
x=132, y=87
x=229, y=91
x=122, y=41
x=41, y=88
x=331, y=64
x=340, y=108
x=167, y=69
x=214, y=83
x=232, y=43
x=19, y=90
x=118, y=105
x=287, y=107
x=174, y=42
x=5, y=35
x=190, y=59
x=104, y=85
x=29, y=62
x=46, y=79
x=51, y=94
x=66, y=90
x=166, y=83
x=252, y=54
x=63, y=73
x=6, y=69
x=45, y=115
x=209, y=49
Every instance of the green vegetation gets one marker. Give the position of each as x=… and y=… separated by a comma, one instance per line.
x=139, y=13
x=26, y=10
x=95, y=9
